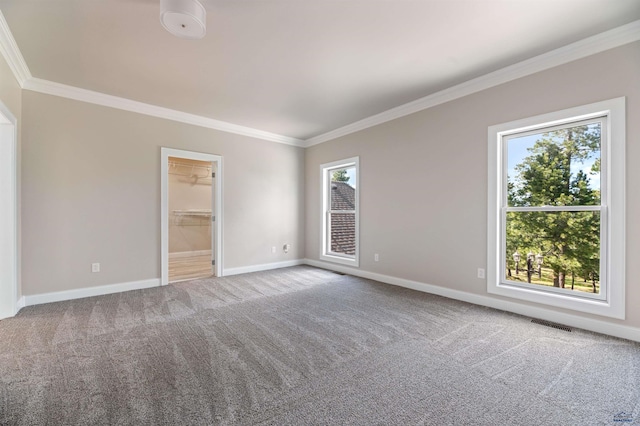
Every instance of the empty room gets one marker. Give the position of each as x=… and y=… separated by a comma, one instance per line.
x=279, y=212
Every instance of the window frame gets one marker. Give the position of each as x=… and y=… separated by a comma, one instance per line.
x=611, y=300
x=325, y=233
x=506, y=137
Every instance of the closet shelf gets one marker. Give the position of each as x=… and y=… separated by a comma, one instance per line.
x=193, y=212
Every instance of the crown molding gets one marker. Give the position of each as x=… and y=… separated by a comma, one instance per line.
x=9, y=49
x=578, y=50
x=616, y=37
x=71, y=92
x=12, y=54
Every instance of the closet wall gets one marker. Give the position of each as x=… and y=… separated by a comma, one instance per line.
x=189, y=206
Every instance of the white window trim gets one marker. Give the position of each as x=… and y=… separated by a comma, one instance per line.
x=613, y=302
x=324, y=205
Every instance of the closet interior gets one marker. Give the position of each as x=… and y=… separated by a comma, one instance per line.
x=190, y=184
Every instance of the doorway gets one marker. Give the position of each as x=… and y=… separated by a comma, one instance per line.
x=191, y=215
x=8, y=214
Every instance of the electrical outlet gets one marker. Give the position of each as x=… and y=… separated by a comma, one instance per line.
x=376, y=257
x=481, y=273
x=273, y=249
x=286, y=248
x=95, y=267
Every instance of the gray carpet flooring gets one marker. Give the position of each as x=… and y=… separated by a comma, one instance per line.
x=304, y=346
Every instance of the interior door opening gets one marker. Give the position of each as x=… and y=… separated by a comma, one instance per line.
x=191, y=215
x=8, y=215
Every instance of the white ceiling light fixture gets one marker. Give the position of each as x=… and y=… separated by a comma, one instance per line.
x=184, y=18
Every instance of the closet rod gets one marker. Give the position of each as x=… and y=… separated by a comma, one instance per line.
x=178, y=164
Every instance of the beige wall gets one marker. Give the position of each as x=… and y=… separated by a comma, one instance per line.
x=91, y=193
x=11, y=97
x=423, y=177
x=188, y=191
x=10, y=92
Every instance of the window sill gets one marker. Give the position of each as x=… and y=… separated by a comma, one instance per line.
x=608, y=308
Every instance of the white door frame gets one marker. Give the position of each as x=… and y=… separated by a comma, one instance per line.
x=216, y=199
x=8, y=213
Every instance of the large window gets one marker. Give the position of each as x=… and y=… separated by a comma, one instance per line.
x=340, y=211
x=556, y=206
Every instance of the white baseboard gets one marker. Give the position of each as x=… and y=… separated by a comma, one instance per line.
x=179, y=254
x=262, y=267
x=38, y=299
x=20, y=304
x=604, y=327
x=598, y=326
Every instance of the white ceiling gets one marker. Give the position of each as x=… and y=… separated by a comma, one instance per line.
x=298, y=68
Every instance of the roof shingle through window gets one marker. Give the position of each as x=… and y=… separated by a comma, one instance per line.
x=343, y=225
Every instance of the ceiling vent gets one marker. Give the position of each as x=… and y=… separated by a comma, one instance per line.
x=184, y=18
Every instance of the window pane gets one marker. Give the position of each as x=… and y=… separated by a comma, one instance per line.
x=343, y=189
x=567, y=245
x=557, y=168
x=343, y=233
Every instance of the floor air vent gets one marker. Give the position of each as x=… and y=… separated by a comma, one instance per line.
x=551, y=324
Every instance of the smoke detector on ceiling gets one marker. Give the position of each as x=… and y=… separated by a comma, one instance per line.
x=184, y=18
